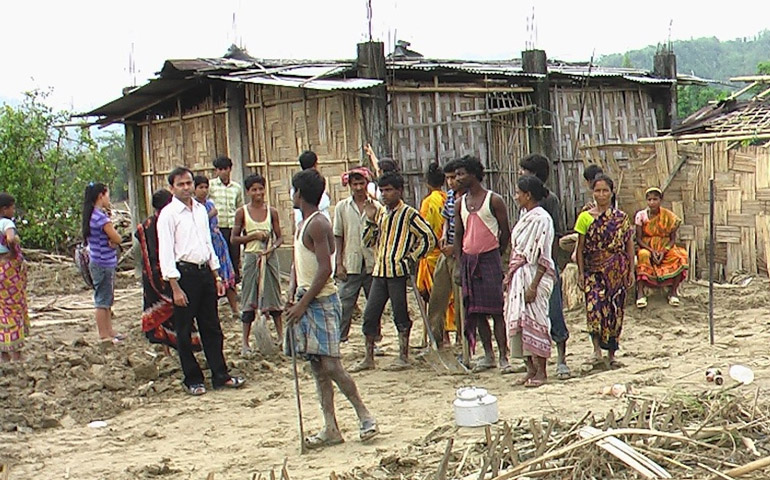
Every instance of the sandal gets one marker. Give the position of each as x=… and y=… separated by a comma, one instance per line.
x=641, y=302
x=673, y=301
x=368, y=430
x=508, y=369
x=615, y=364
x=315, y=442
x=196, y=389
x=563, y=372
x=533, y=383
x=232, y=382
x=482, y=366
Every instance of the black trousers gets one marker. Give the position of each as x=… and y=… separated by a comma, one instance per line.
x=235, y=253
x=201, y=291
x=382, y=290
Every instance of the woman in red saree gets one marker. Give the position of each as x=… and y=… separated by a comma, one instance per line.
x=605, y=258
x=660, y=262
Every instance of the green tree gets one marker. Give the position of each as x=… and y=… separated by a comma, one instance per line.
x=626, y=63
x=691, y=98
x=46, y=167
x=112, y=147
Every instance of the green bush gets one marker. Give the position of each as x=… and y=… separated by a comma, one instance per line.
x=46, y=167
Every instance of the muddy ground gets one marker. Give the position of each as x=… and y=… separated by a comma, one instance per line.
x=154, y=430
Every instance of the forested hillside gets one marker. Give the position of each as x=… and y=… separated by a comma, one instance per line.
x=705, y=57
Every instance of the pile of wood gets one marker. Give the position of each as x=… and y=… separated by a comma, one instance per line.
x=713, y=435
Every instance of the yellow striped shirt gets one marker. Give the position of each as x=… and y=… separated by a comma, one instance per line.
x=397, y=235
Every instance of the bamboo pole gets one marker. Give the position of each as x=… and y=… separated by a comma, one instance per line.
x=712, y=252
x=749, y=467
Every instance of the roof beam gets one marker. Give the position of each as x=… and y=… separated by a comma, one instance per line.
x=121, y=118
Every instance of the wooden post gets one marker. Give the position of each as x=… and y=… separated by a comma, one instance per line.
x=137, y=196
x=712, y=252
x=664, y=66
x=237, y=138
x=540, y=131
x=371, y=64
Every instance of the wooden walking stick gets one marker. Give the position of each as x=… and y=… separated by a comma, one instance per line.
x=292, y=345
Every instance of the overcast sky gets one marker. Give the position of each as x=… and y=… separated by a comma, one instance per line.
x=81, y=48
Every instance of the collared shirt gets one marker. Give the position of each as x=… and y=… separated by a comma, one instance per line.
x=184, y=236
x=448, y=213
x=228, y=199
x=349, y=224
x=397, y=235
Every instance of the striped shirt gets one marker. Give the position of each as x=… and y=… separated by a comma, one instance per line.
x=228, y=199
x=397, y=236
x=449, y=213
x=102, y=253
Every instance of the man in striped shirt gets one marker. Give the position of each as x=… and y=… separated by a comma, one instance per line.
x=400, y=237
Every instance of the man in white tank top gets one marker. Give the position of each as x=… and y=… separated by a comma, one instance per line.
x=313, y=312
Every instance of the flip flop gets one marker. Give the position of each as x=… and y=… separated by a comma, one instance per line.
x=361, y=366
x=196, y=389
x=673, y=301
x=521, y=381
x=641, y=302
x=315, y=442
x=532, y=383
x=563, y=372
x=368, y=430
x=508, y=369
x=482, y=366
x=379, y=351
x=615, y=364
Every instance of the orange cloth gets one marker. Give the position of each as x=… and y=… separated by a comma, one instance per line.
x=656, y=232
x=430, y=210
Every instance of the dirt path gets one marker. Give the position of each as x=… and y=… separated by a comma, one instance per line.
x=156, y=430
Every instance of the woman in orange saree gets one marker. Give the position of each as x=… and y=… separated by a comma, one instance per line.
x=660, y=262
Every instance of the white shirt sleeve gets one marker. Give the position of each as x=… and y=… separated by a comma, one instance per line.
x=165, y=227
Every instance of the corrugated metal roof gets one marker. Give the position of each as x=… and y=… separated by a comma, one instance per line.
x=317, y=84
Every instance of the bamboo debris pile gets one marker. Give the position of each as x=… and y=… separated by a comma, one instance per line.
x=713, y=435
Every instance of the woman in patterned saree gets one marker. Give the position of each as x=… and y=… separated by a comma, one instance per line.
x=605, y=258
x=14, y=319
x=660, y=263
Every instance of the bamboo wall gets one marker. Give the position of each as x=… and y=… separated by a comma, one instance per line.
x=431, y=126
x=282, y=122
x=742, y=201
x=190, y=137
x=610, y=115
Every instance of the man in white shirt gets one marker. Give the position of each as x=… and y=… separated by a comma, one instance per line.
x=188, y=263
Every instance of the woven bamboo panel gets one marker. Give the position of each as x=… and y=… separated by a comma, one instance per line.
x=742, y=200
x=425, y=129
x=610, y=115
x=192, y=139
x=283, y=122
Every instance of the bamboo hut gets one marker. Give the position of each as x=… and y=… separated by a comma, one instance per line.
x=264, y=113
x=727, y=142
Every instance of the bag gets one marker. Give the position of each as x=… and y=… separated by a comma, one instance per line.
x=82, y=260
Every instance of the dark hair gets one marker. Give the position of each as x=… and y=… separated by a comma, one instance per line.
x=310, y=185
x=451, y=166
x=6, y=200
x=178, y=172
x=222, y=162
x=161, y=198
x=591, y=171
x=308, y=159
x=200, y=180
x=532, y=185
x=472, y=165
x=394, y=179
x=355, y=176
x=538, y=165
x=252, y=179
x=93, y=190
x=388, y=165
x=603, y=178
x=435, y=175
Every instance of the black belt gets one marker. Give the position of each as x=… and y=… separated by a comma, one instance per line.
x=182, y=265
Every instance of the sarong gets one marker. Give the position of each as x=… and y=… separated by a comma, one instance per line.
x=14, y=318
x=317, y=332
x=271, y=286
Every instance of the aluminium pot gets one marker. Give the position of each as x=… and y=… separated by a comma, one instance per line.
x=475, y=407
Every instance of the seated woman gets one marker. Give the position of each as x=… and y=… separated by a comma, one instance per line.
x=660, y=263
